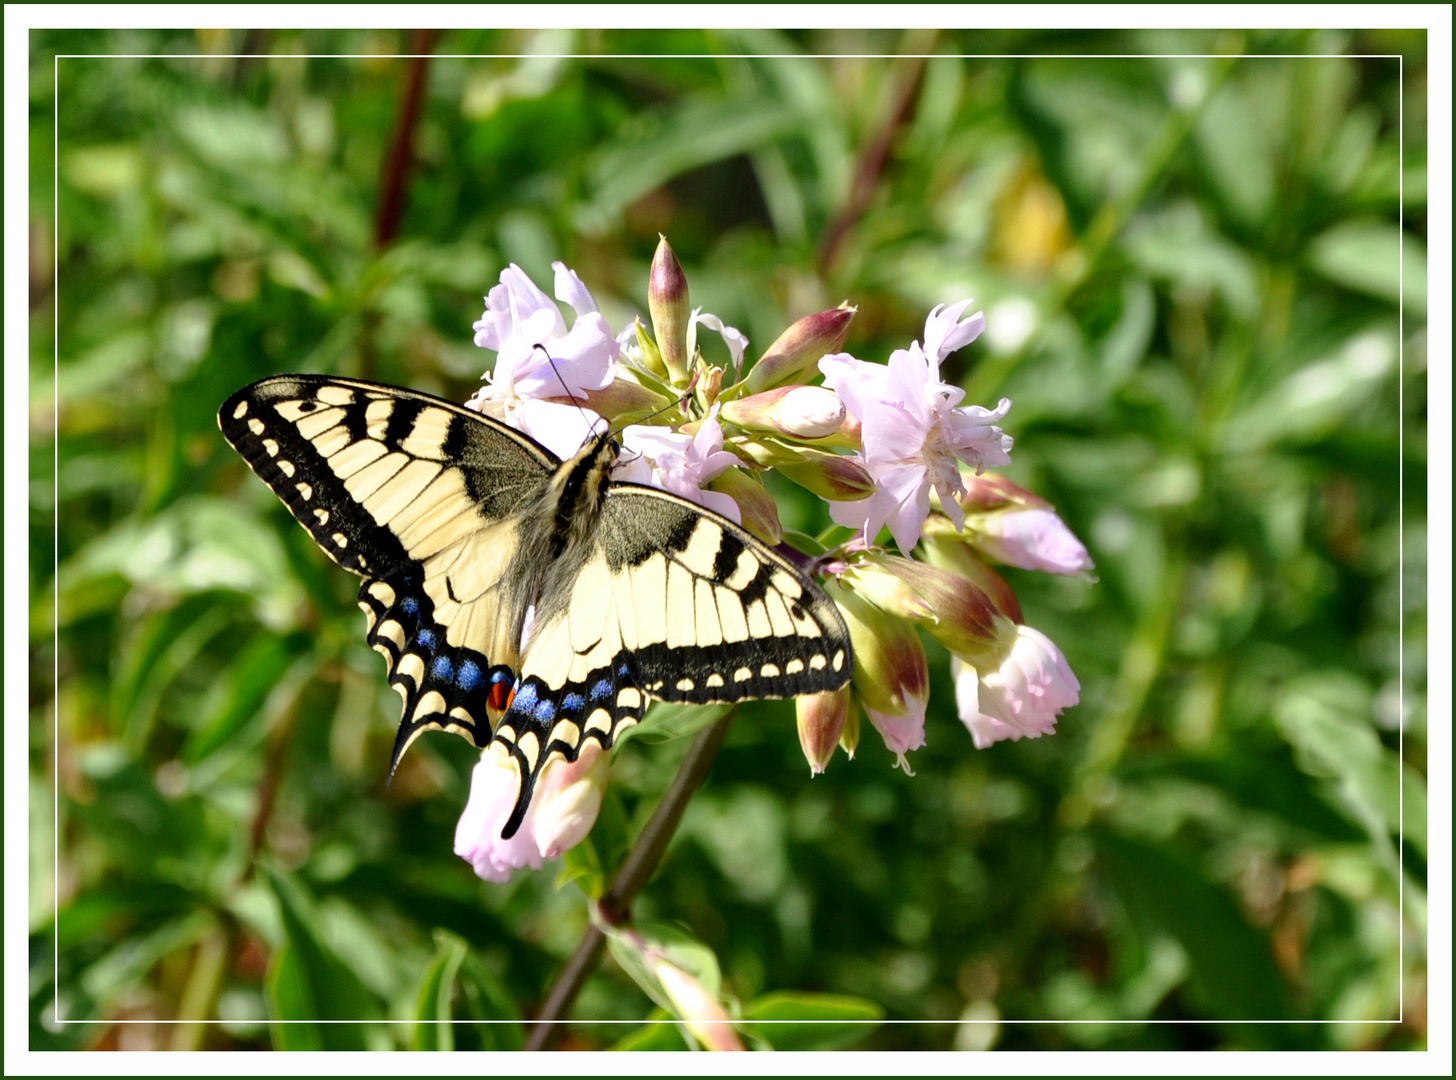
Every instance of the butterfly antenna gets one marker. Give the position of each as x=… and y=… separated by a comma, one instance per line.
x=590, y=424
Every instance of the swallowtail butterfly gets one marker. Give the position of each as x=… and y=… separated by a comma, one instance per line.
x=520, y=598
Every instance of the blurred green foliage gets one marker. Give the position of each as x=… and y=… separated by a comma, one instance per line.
x=1207, y=301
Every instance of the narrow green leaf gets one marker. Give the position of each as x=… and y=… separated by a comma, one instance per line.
x=797, y=1021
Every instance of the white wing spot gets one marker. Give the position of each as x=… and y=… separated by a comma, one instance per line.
x=322, y=515
x=769, y=671
x=286, y=468
x=685, y=684
x=341, y=540
x=817, y=662
x=793, y=667
x=271, y=447
x=743, y=674
x=335, y=395
x=713, y=681
x=629, y=698
x=241, y=411
x=839, y=660
x=255, y=426
x=306, y=490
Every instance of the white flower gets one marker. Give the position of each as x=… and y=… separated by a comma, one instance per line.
x=538, y=357
x=1021, y=696
x=913, y=429
x=680, y=463
x=902, y=732
x=1031, y=538
x=565, y=804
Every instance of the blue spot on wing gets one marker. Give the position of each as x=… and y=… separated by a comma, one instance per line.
x=409, y=605
x=544, y=711
x=572, y=701
x=468, y=677
x=525, y=699
x=441, y=668
x=426, y=638
x=601, y=689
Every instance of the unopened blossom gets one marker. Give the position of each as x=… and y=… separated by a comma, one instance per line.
x=700, y=1011
x=794, y=354
x=914, y=432
x=537, y=355
x=680, y=463
x=890, y=674
x=821, y=720
x=1018, y=694
x=1031, y=538
x=804, y=412
x=668, y=305
x=759, y=514
x=563, y=809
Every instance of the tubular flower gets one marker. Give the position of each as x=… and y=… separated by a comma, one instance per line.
x=568, y=797
x=1019, y=696
x=913, y=430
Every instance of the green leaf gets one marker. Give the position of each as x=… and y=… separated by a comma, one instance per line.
x=663, y=1034
x=666, y=721
x=796, y=1021
x=457, y=987
x=307, y=983
x=1374, y=258
x=1231, y=969
x=242, y=690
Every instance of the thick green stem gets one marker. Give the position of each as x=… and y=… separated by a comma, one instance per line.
x=636, y=870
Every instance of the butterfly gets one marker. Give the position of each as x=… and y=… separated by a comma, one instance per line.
x=522, y=599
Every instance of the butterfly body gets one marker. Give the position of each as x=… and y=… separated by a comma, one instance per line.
x=523, y=599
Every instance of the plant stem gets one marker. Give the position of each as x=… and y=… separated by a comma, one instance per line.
x=634, y=873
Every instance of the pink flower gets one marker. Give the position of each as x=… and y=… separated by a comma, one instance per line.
x=680, y=463
x=1019, y=698
x=1033, y=539
x=913, y=429
x=518, y=318
x=563, y=809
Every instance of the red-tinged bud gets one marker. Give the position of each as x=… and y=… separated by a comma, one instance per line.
x=849, y=737
x=832, y=476
x=948, y=549
x=988, y=491
x=890, y=673
x=953, y=610
x=760, y=512
x=804, y=412
x=821, y=725
x=800, y=347
x=670, y=308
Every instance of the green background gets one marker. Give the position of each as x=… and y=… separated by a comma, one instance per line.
x=1192, y=270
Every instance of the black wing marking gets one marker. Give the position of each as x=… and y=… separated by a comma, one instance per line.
x=711, y=614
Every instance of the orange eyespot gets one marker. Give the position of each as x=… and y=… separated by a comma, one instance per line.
x=501, y=695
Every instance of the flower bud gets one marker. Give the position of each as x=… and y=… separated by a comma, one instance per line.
x=670, y=308
x=699, y=1010
x=821, y=725
x=948, y=549
x=831, y=476
x=805, y=412
x=760, y=512
x=951, y=608
x=984, y=492
x=849, y=737
x=799, y=348
x=567, y=799
x=620, y=400
x=889, y=662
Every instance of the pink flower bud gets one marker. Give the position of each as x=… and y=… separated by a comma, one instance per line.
x=800, y=347
x=620, y=400
x=831, y=476
x=670, y=308
x=700, y=1011
x=985, y=492
x=952, y=609
x=821, y=725
x=805, y=412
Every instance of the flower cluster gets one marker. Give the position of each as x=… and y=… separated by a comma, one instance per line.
x=890, y=447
